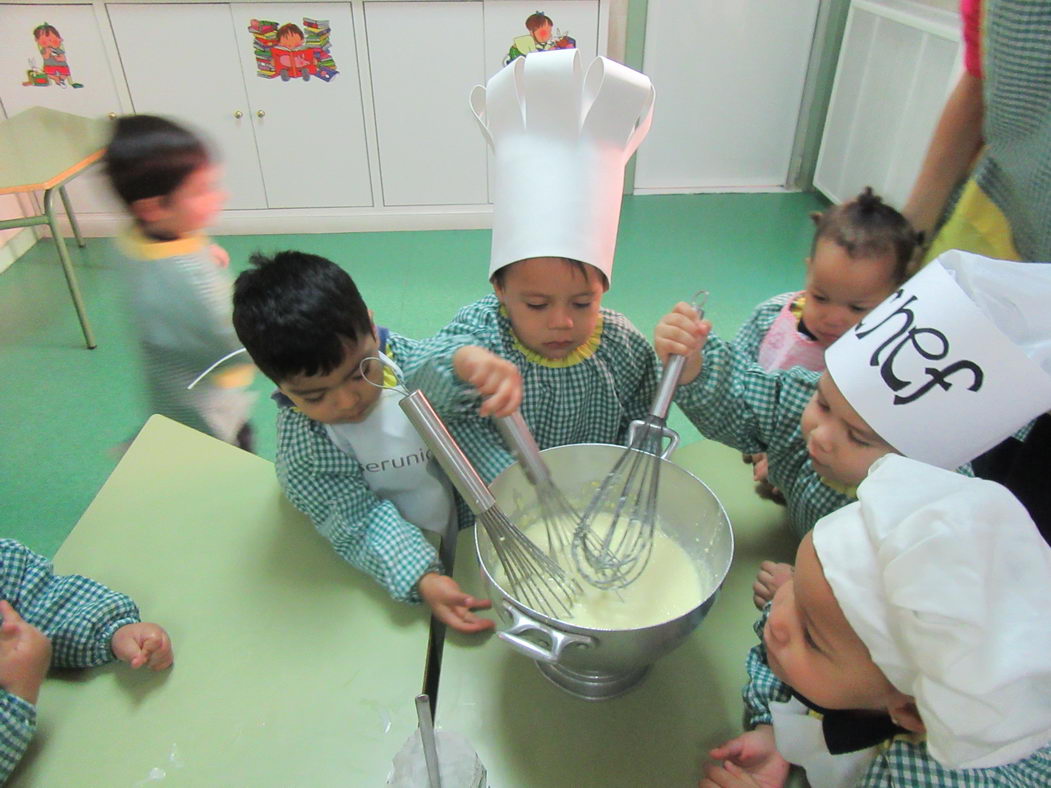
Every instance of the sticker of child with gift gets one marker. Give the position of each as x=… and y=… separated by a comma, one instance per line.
x=540, y=37
x=56, y=67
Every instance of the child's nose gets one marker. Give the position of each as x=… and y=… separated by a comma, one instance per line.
x=820, y=436
x=561, y=318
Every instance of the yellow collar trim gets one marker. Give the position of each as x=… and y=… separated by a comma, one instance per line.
x=849, y=490
x=575, y=356
x=390, y=380
x=797, y=307
x=135, y=244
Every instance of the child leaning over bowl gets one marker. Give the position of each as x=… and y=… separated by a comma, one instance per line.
x=347, y=456
x=912, y=647
x=65, y=621
x=587, y=372
x=950, y=364
x=860, y=255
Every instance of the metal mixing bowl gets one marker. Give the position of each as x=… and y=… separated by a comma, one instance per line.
x=602, y=663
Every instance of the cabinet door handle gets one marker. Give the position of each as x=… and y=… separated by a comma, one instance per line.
x=112, y=116
x=260, y=114
x=238, y=114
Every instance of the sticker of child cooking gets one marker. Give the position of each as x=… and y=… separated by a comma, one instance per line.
x=539, y=38
x=53, y=55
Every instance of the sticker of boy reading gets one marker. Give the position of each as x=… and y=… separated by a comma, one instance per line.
x=539, y=38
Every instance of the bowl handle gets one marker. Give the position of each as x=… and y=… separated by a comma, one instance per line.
x=522, y=623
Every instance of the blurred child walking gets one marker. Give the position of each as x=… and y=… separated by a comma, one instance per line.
x=178, y=287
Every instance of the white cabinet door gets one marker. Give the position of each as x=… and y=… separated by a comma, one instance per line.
x=729, y=77
x=182, y=61
x=79, y=36
x=896, y=67
x=424, y=58
x=309, y=128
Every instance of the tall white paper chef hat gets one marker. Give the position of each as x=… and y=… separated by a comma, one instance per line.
x=955, y=361
x=947, y=581
x=560, y=140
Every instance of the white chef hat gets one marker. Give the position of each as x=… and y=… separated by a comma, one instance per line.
x=947, y=581
x=955, y=361
x=560, y=138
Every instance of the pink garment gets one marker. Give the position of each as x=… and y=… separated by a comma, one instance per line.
x=971, y=14
x=784, y=346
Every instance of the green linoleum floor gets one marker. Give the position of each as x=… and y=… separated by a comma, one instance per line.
x=64, y=410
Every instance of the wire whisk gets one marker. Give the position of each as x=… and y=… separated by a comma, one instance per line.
x=533, y=578
x=559, y=516
x=614, y=539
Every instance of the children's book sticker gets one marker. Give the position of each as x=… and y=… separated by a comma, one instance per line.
x=289, y=51
x=53, y=66
x=542, y=35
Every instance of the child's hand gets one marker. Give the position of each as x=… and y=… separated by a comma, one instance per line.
x=25, y=655
x=452, y=606
x=771, y=576
x=682, y=333
x=220, y=255
x=143, y=644
x=495, y=378
x=760, y=467
x=750, y=760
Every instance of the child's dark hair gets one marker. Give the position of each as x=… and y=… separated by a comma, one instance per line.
x=290, y=27
x=150, y=156
x=45, y=30
x=536, y=21
x=500, y=274
x=868, y=227
x=295, y=312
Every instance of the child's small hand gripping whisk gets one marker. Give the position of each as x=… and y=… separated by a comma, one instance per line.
x=614, y=538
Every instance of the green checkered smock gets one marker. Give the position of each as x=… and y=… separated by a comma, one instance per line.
x=735, y=401
x=328, y=485
x=591, y=401
x=751, y=333
x=77, y=614
x=902, y=762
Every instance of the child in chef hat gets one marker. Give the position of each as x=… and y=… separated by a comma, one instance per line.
x=561, y=138
x=949, y=365
x=911, y=648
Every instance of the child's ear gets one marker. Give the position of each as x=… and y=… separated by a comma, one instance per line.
x=148, y=209
x=903, y=712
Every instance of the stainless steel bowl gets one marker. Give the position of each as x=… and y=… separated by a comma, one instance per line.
x=598, y=664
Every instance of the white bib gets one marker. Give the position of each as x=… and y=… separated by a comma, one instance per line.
x=785, y=347
x=398, y=466
x=801, y=741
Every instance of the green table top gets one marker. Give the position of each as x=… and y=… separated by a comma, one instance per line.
x=41, y=148
x=530, y=733
x=291, y=667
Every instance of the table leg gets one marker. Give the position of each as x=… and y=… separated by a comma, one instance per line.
x=67, y=268
x=70, y=215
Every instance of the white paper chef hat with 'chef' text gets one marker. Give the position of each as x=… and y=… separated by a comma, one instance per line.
x=955, y=361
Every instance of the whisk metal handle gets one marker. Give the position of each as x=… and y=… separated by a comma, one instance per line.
x=666, y=389
x=448, y=453
x=520, y=441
